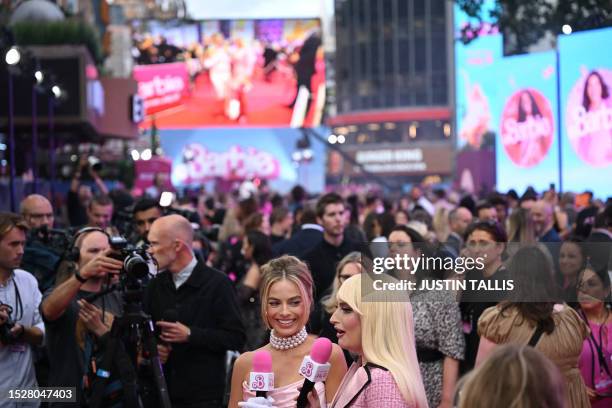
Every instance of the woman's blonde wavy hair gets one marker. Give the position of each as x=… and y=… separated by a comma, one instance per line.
x=330, y=302
x=387, y=335
x=514, y=376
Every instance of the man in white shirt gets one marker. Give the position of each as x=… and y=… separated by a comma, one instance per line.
x=21, y=327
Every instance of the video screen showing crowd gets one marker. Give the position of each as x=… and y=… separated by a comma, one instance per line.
x=254, y=299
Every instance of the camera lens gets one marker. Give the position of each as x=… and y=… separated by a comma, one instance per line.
x=136, y=267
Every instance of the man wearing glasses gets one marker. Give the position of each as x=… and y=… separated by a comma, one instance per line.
x=37, y=211
x=38, y=258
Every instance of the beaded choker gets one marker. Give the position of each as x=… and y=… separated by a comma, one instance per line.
x=286, y=343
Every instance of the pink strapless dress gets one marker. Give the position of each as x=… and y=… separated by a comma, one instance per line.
x=286, y=396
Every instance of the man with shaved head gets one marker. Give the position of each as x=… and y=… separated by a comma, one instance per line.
x=37, y=211
x=544, y=222
x=39, y=258
x=459, y=219
x=196, y=313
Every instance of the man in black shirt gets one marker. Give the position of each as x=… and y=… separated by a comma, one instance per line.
x=323, y=258
x=207, y=325
x=71, y=323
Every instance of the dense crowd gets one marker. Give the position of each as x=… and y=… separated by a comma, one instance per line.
x=256, y=270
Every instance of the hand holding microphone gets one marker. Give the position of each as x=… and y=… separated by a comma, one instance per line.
x=261, y=380
x=314, y=368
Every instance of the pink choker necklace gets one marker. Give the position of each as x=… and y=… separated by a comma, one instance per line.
x=286, y=343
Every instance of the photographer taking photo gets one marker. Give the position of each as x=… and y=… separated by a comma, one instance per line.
x=75, y=327
x=40, y=258
x=21, y=327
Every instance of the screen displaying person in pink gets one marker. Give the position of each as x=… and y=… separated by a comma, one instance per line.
x=589, y=118
x=477, y=118
x=527, y=127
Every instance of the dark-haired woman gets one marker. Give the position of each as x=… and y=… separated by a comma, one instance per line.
x=485, y=241
x=572, y=259
x=531, y=316
x=256, y=249
x=596, y=357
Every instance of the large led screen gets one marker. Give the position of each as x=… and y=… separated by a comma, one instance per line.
x=230, y=73
x=218, y=157
x=526, y=146
x=586, y=97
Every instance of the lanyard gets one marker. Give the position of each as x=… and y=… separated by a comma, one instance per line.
x=18, y=304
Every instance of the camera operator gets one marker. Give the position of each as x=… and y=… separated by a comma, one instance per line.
x=21, y=327
x=80, y=195
x=145, y=212
x=74, y=326
x=39, y=259
x=205, y=306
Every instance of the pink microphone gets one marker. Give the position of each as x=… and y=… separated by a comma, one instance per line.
x=314, y=368
x=261, y=379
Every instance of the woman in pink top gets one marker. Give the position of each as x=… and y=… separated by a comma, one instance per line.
x=377, y=327
x=596, y=358
x=286, y=300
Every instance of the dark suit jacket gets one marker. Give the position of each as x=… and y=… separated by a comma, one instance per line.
x=206, y=303
x=299, y=244
x=599, y=249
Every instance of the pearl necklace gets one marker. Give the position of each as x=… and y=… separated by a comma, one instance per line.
x=286, y=343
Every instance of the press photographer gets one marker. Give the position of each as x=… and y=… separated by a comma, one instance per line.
x=44, y=245
x=21, y=327
x=75, y=327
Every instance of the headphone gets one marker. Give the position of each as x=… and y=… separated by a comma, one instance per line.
x=74, y=253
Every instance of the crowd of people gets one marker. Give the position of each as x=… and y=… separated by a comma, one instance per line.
x=256, y=270
x=231, y=64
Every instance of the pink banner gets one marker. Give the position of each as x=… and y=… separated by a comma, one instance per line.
x=162, y=86
x=145, y=170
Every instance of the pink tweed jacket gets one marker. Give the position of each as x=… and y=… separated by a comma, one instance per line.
x=369, y=386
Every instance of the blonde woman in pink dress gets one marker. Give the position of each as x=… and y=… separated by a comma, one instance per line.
x=379, y=329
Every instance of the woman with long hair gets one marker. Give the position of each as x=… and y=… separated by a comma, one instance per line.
x=531, y=316
x=596, y=357
x=256, y=249
x=286, y=293
x=379, y=330
x=529, y=380
x=572, y=260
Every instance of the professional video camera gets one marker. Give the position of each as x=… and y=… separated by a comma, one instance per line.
x=54, y=239
x=135, y=267
x=6, y=337
x=136, y=328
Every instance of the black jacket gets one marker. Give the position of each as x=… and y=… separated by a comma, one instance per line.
x=206, y=303
x=299, y=244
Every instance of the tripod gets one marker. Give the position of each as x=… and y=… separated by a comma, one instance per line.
x=133, y=318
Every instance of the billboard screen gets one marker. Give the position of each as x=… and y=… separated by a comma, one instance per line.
x=586, y=97
x=230, y=73
x=526, y=146
x=226, y=156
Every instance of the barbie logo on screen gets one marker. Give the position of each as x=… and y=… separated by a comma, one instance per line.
x=527, y=127
x=199, y=164
x=589, y=117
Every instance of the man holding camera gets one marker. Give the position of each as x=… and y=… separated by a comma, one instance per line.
x=21, y=327
x=205, y=320
x=80, y=195
x=39, y=258
x=75, y=327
